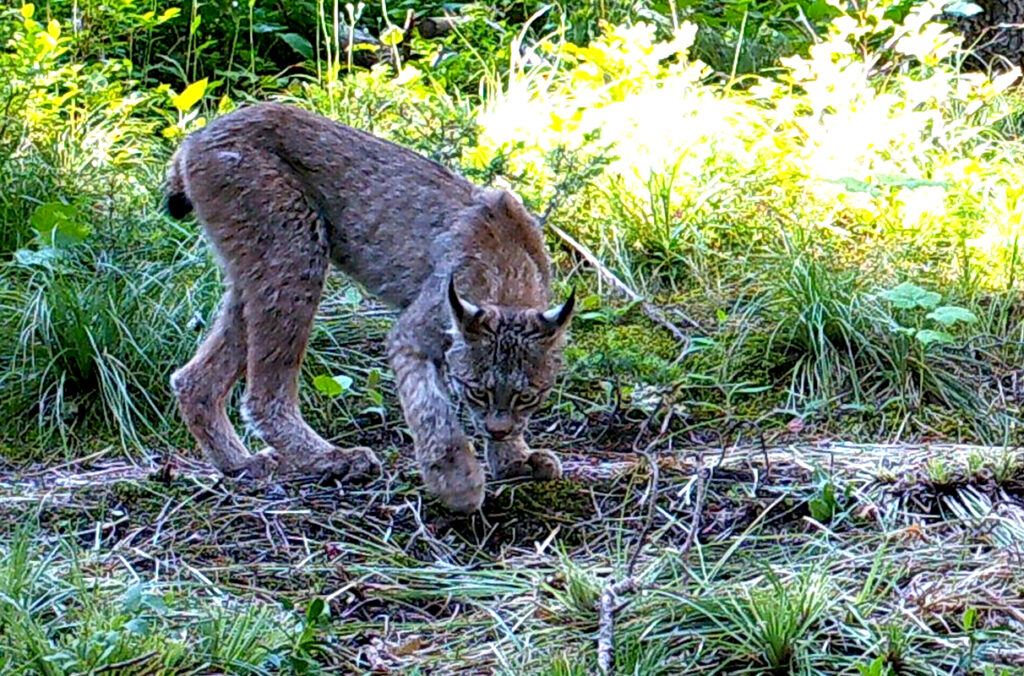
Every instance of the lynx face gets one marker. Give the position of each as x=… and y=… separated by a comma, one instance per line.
x=502, y=363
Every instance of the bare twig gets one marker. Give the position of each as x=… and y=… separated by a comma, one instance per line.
x=608, y=604
x=650, y=310
x=698, y=509
x=606, y=624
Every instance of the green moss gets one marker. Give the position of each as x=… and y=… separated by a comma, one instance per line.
x=632, y=352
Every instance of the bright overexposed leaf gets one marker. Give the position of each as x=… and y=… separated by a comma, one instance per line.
x=391, y=36
x=190, y=96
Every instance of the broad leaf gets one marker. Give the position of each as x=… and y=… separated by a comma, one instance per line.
x=908, y=296
x=947, y=315
x=58, y=224
x=299, y=44
x=190, y=96
x=332, y=386
x=927, y=337
x=30, y=258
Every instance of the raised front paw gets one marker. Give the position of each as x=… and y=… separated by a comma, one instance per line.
x=544, y=465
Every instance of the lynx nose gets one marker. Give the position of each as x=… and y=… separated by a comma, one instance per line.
x=498, y=425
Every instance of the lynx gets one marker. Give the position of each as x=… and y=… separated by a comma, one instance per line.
x=281, y=193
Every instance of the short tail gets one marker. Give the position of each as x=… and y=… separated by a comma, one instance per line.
x=177, y=203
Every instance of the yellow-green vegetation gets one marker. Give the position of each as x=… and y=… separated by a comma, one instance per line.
x=816, y=193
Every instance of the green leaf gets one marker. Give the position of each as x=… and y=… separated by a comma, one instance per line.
x=821, y=510
x=927, y=337
x=373, y=378
x=264, y=27
x=970, y=615
x=909, y=295
x=947, y=315
x=137, y=626
x=332, y=386
x=392, y=36
x=315, y=610
x=190, y=96
x=58, y=224
x=299, y=44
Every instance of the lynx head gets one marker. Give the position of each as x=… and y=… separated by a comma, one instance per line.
x=503, y=362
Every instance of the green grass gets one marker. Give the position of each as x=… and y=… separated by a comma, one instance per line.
x=190, y=575
x=871, y=298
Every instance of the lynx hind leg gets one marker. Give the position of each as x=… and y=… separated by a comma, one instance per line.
x=513, y=458
x=273, y=245
x=202, y=387
x=277, y=329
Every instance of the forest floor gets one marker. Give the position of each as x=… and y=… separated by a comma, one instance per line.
x=797, y=558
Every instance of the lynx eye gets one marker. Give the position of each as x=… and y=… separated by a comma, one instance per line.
x=475, y=395
x=527, y=399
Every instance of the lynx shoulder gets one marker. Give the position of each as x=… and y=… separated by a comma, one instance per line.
x=283, y=193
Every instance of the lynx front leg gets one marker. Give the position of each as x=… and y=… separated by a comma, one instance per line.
x=513, y=458
x=445, y=455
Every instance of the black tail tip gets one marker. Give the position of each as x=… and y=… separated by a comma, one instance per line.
x=178, y=205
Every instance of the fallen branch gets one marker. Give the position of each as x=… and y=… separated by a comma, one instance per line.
x=574, y=179
x=650, y=311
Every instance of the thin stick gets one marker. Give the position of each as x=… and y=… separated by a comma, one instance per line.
x=698, y=509
x=606, y=624
x=650, y=311
x=609, y=604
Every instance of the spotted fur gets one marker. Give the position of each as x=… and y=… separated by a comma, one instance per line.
x=281, y=193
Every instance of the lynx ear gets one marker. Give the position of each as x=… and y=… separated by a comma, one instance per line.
x=557, y=318
x=466, y=315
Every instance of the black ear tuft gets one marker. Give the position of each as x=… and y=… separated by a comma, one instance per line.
x=557, y=318
x=178, y=205
x=467, y=315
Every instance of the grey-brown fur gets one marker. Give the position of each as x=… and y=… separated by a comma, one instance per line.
x=281, y=193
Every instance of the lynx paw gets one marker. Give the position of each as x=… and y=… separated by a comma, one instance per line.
x=457, y=478
x=540, y=465
x=348, y=465
x=258, y=466
x=544, y=465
